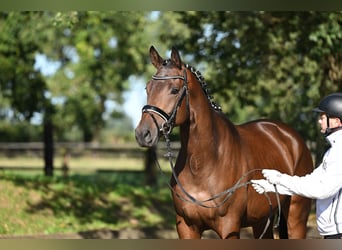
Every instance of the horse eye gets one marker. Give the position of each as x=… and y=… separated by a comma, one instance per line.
x=174, y=91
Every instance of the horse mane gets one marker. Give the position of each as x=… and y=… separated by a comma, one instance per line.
x=204, y=86
x=201, y=80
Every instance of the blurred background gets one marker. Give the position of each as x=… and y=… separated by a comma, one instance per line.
x=72, y=88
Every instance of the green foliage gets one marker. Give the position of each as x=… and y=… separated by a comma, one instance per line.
x=95, y=53
x=23, y=132
x=267, y=64
x=20, y=83
x=99, y=51
x=258, y=64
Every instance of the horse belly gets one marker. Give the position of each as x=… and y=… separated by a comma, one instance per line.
x=258, y=207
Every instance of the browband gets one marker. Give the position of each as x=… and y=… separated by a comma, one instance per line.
x=154, y=77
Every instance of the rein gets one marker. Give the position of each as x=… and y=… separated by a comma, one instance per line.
x=166, y=129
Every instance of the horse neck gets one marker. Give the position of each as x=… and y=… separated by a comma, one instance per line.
x=206, y=129
x=206, y=150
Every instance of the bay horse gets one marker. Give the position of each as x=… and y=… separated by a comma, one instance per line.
x=215, y=154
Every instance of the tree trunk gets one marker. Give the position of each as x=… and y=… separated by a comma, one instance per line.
x=48, y=147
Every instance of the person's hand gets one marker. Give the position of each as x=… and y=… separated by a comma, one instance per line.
x=273, y=176
x=262, y=186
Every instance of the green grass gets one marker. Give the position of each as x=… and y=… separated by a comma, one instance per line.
x=87, y=199
x=81, y=164
x=34, y=204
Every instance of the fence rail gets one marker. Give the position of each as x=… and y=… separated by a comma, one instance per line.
x=79, y=148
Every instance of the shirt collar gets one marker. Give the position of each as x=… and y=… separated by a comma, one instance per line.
x=332, y=138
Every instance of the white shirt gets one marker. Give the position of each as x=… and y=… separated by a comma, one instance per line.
x=325, y=185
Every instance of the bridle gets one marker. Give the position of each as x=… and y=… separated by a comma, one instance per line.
x=166, y=129
x=169, y=120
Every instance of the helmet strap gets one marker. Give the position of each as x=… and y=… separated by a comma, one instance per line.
x=328, y=130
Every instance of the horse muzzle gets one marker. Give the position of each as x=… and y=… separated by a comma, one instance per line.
x=146, y=136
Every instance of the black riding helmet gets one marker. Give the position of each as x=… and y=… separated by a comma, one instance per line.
x=331, y=105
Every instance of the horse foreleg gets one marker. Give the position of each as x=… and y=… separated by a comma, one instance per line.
x=229, y=227
x=186, y=231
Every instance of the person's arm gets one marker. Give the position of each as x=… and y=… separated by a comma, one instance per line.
x=263, y=186
x=317, y=185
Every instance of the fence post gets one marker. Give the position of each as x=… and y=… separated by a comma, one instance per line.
x=65, y=164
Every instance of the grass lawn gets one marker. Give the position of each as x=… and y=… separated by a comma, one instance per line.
x=81, y=164
x=99, y=193
x=85, y=200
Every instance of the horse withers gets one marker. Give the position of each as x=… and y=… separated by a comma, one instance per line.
x=217, y=158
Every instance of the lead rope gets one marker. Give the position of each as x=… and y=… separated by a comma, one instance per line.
x=227, y=192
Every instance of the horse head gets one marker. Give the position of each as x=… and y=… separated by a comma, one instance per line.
x=166, y=99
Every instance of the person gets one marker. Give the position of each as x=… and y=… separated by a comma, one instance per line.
x=325, y=182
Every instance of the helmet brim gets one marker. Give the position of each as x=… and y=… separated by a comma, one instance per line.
x=318, y=110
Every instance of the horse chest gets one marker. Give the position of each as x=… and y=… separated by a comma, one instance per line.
x=197, y=181
x=195, y=214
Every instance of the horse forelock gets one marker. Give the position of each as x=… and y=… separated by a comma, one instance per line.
x=167, y=62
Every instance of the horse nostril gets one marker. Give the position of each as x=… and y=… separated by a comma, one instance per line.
x=147, y=134
x=145, y=137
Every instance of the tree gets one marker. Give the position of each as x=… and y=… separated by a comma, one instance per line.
x=20, y=82
x=97, y=52
x=267, y=64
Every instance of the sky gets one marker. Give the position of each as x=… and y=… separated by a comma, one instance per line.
x=135, y=99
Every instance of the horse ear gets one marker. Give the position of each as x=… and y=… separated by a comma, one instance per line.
x=175, y=57
x=155, y=57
